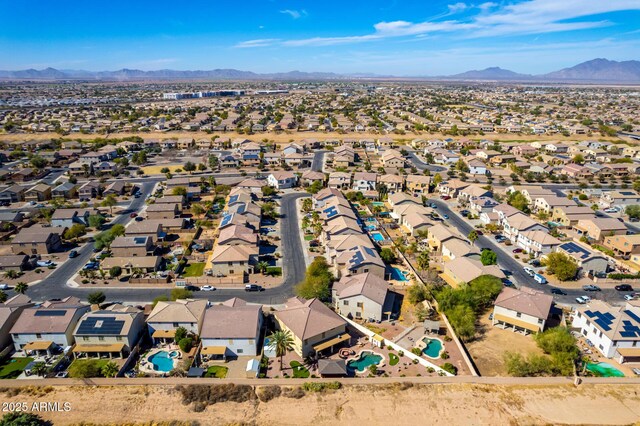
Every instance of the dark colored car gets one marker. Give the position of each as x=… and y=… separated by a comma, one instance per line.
x=624, y=287
x=253, y=287
x=517, y=250
x=133, y=215
x=464, y=213
x=73, y=253
x=445, y=216
x=191, y=288
x=558, y=291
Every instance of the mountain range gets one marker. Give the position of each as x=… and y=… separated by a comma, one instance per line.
x=594, y=71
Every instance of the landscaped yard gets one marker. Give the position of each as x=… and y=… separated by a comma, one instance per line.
x=156, y=170
x=13, y=367
x=393, y=359
x=193, y=270
x=217, y=371
x=308, y=237
x=299, y=370
x=83, y=368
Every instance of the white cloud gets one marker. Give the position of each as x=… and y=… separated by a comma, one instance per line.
x=262, y=42
x=295, y=14
x=491, y=20
x=457, y=7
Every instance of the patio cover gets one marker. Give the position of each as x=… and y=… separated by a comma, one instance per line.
x=106, y=347
x=332, y=342
x=332, y=367
x=517, y=322
x=214, y=350
x=164, y=334
x=38, y=345
x=629, y=352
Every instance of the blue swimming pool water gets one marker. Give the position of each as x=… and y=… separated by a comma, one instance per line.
x=396, y=274
x=434, y=346
x=365, y=359
x=377, y=237
x=377, y=203
x=161, y=361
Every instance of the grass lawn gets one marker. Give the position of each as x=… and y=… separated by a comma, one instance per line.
x=193, y=270
x=82, y=368
x=217, y=371
x=299, y=370
x=308, y=237
x=13, y=367
x=393, y=359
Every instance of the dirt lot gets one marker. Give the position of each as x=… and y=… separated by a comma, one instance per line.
x=286, y=137
x=488, y=350
x=444, y=404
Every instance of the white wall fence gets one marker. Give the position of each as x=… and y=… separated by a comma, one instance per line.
x=407, y=352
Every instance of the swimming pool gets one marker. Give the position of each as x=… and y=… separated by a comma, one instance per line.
x=364, y=360
x=433, y=348
x=398, y=275
x=377, y=203
x=603, y=369
x=377, y=237
x=162, y=361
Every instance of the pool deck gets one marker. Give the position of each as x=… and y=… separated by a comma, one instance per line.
x=146, y=366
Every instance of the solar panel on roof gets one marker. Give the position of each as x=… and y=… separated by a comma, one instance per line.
x=233, y=199
x=356, y=259
x=573, y=248
x=627, y=334
x=101, y=325
x=139, y=240
x=603, y=324
x=226, y=220
x=330, y=212
x=589, y=314
x=632, y=315
x=49, y=313
x=370, y=251
x=242, y=208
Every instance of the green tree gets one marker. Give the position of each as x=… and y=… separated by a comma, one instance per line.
x=109, y=201
x=18, y=418
x=268, y=210
x=282, y=342
x=38, y=162
x=418, y=293
x=161, y=298
x=110, y=369
x=423, y=260
x=96, y=298
x=315, y=187
x=21, y=287
x=473, y=236
x=181, y=333
x=180, y=293
x=633, y=211
x=117, y=230
x=317, y=281
x=387, y=255
x=488, y=257
x=3, y=296
x=268, y=191
x=115, y=271
x=561, y=265
x=519, y=201
x=96, y=221
x=197, y=209
x=578, y=159
x=189, y=167
x=262, y=267
x=179, y=190
x=463, y=319
x=77, y=230
x=437, y=178
x=557, y=339
x=186, y=344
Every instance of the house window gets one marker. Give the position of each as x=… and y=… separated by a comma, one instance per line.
x=176, y=325
x=230, y=271
x=119, y=338
x=539, y=321
x=365, y=270
x=85, y=339
x=38, y=336
x=251, y=341
x=358, y=315
x=241, y=263
x=601, y=347
x=240, y=351
x=345, y=302
x=518, y=314
x=360, y=304
x=101, y=338
x=230, y=263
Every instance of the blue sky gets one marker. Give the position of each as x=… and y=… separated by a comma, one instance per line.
x=425, y=37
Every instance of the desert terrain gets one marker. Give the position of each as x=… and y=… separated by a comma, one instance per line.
x=398, y=403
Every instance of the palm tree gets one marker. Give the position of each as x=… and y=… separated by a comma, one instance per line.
x=39, y=369
x=110, y=369
x=423, y=261
x=21, y=287
x=262, y=267
x=282, y=342
x=12, y=274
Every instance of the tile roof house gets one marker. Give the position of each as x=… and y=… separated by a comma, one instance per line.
x=464, y=270
x=9, y=313
x=313, y=326
x=358, y=260
x=523, y=309
x=231, y=329
x=363, y=296
x=167, y=316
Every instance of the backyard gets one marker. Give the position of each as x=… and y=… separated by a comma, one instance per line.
x=193, y=270
x=83, y=368
x=12, y=367
x=216, y=371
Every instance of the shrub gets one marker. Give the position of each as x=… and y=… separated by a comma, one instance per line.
x=267, y=393
x=444, y=355
x=213, y=394
x=416, y=351
x=295, y=393
x=186, y=344
x=321, y=387
x=17, y=418
x=450, y=368
x=393, y=359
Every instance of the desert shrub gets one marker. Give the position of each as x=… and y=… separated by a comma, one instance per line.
x=295, y=393
x=321, y=387
x=267, y=393
x=213, y=394
x=450, y=368
x=416, y=351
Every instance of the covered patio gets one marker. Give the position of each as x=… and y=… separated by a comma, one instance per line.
x=514, y=324
x=108, y=350
x=332, y=342
x=163, y=336
x=39, y=347
x=213, y=353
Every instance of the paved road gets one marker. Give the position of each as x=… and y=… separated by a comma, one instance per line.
x=318, y=161
x=513, y=268
x=421, y=165
x=55, y=285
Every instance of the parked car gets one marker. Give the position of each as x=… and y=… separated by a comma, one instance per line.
x=208, y=288
x=529, y=271
x=507, y=283
x=445, y=197
x=44, y=263
x=445, y=216
x=624, y=287
x=192, y=288
x=464, y=213
x=433, y=206
x=62, y=375
x=558, y=292
x=540, y=279
x=611, y=210
x=253, y=287
x=139, y=219
x=629, y=297
x=591, y=287
x=534, y=262
x=581, y=300
x=517, y=250
x=4, y=286
x=133, y=214
x=90, y=266
x=499, y=237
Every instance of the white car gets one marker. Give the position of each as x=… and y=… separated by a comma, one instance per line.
x=208, y=288
x=4, y=286
x=529, y=271
x=627, y=297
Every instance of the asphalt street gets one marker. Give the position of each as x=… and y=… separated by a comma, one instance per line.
x=318, y=161
x=421, y=165
x=55, y=285
x=513, y=268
